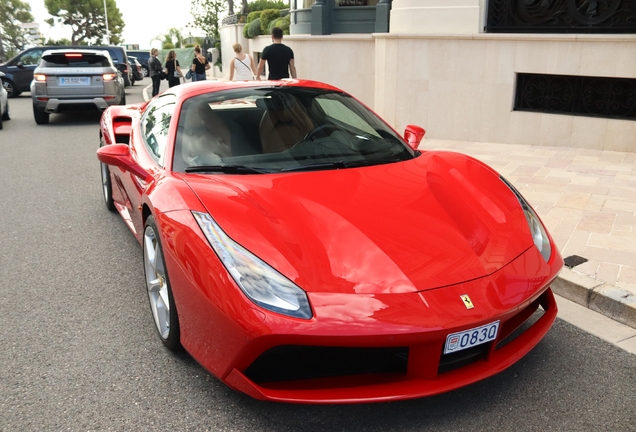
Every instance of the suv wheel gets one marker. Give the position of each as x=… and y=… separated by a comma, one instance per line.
x=144, y=71
x=5, y=112
x=10, y=88
x=40, y=116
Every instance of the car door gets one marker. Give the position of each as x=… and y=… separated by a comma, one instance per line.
x=22, y=68
x=150, y=152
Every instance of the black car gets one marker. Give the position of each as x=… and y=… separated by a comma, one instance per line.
x=19, y=70
x=137, y=71
x=142, y=58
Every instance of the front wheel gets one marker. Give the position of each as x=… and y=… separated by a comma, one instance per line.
x=40, y=116
x=10, y=88
x=107, y=187
x=5, y=113
x=160, y=296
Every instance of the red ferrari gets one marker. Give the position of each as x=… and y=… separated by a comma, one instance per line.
x=301, y=250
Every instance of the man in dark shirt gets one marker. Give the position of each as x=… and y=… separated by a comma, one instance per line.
x=279, y=57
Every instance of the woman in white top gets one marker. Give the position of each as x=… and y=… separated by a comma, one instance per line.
x=241, y=66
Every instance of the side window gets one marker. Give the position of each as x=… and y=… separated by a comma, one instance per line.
x=340, y=112
x=31, y=58
x=155, y=126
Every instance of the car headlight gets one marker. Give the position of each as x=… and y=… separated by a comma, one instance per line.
x=539, y=235
x=259, y=281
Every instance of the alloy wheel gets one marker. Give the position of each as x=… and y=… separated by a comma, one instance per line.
x=156, y=282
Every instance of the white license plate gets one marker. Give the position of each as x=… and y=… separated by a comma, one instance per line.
x=75, y=81
x=470, y=338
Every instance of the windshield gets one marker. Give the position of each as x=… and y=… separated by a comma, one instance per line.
x=282, y=129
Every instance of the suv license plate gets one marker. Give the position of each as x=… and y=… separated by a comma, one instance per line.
x=75, y=81
x=470, y=338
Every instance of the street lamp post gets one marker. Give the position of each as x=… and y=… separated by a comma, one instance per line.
x=107, y=32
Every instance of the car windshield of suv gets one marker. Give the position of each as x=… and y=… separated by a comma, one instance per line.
x=282, y=130
x=74, y=60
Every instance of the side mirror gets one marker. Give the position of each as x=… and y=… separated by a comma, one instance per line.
x=20, y=65
x=413, y=135
x=119, y=155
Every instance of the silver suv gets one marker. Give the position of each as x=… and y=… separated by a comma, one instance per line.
x=73, y=80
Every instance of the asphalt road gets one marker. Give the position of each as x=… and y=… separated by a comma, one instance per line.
x=78, y=349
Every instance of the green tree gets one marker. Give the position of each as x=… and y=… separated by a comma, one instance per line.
x=12, y=36
x=86, y=19
x=59, y=42
x=260, y=5
x=173, y=38
x=205, y=14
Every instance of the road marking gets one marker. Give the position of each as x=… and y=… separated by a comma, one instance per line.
x=144, y=93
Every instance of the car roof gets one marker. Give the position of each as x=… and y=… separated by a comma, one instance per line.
x=105, y=53
x=208, y=86
x=118, y=53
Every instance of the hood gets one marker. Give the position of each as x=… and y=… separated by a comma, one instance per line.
x=437, y=220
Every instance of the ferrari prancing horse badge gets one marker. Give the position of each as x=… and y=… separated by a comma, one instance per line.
x=467, y=301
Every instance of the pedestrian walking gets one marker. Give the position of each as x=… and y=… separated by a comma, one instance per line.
x=279, y=58
x=242, y=65
x=173, y=69
x=154, y=66
x=199, y=65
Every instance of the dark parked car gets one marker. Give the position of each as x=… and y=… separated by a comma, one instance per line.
x=19, y=70
x=142, y=58
x=137, y=72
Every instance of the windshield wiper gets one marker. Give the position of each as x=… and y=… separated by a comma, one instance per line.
x=225, y=169
x=339, y=165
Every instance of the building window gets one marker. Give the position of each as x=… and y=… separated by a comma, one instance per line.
x=351, y=2
x=302, y=4
x=577, y=95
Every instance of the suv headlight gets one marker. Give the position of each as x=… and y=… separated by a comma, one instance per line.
x=537, y=230
x=258, y=280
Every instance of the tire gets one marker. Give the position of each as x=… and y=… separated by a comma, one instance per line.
x=1, y=125
x=123, y=99
x=10, y=88
x=132, y=82
x=162, y=305
x=107, y=186
x=144, y=71
x=40, y=116
x=5, y=113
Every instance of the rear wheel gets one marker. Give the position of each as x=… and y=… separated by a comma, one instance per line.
x=123, y=98
x=144, y=71
x=40, y=116
x=10, y=88
x=160, y=296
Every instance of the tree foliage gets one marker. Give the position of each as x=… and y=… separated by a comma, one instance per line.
x=173, y=38
x=86, y=19
x=59, y=42
x=261, y=5
x=205, y=14
x=12, y=36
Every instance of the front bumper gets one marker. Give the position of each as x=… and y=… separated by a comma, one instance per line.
x=426, y=372
x=397, y=339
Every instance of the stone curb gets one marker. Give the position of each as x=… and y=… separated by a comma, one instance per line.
x=613, y=302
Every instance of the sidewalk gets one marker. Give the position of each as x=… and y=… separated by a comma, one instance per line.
x=587, y=199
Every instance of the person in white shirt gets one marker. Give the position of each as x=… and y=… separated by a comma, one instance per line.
x=242, y=65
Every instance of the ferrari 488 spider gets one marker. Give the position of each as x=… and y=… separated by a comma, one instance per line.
x=301, y=250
